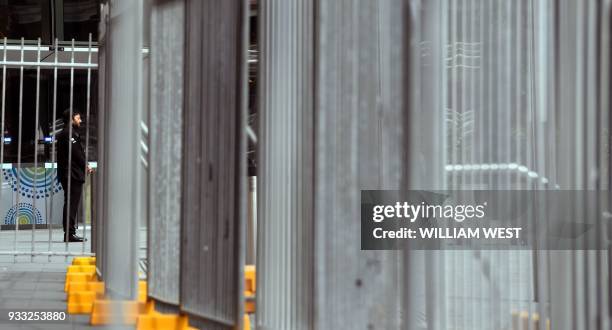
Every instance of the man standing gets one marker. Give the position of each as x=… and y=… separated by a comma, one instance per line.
x=71, y=167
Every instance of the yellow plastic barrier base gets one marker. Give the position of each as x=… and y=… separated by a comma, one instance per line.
x=249, y=288
x=150, y=319
x=249, y=278
x=246, y=322
x=81, y=302
x=142, y=291
x=158, y=321
x=78, y=277
x=84, y=261
x=81, y=269
x=95, y=286
x=249, y=302
x=81, y=295
x=124, y=312
x=98, y=287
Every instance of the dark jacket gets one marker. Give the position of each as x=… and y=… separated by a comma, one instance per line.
x=79, y=164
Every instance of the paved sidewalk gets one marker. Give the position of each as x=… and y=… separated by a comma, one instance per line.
x=37, y=283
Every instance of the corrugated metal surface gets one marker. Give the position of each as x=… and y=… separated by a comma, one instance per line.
x=518, y=91
x=212, y=250
x=579, y=131
x=426, y=158
x=165, y=152
x=332, y=82
x=99, y=230
x=361, y=87
x=285, y=248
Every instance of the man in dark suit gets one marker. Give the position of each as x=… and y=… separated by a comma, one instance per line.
x=71, y=169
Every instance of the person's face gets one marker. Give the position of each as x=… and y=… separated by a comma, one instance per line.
x=76, y=120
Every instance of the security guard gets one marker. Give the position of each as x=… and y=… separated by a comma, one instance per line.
x=71, y=169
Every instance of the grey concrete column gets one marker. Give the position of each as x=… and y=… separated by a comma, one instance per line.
x=332, y=102
x=120, y=149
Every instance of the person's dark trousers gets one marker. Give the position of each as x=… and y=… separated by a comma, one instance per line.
x=75, y=198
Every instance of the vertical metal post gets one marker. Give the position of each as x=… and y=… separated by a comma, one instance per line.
x=104, y=44
x=2, y=124
x=70, y=132
x=53, y=145
x=87, y=125
x=19, y=174
x=123, y=91
x=36, y=139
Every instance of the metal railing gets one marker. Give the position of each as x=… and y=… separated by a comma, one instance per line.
x=29, y=186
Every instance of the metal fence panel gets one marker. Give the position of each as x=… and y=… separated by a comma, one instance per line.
x=332, y=98
x=361, y=102
x=285, y=166
x=166, y=132
x=121, y=135
x=212, y=251
x=100, y=231
x=31, y=194
x=524, y=93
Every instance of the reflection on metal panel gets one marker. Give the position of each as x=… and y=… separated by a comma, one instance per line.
x=523, y=103
x=166, y=133
x=212, y=252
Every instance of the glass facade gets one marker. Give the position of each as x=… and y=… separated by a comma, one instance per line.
x=24, y=18
x=81, y=17
x=45, y=19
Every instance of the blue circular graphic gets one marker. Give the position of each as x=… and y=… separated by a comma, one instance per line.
x=27, y=215
x=33, y=182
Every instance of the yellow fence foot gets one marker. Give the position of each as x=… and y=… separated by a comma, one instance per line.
x=81, y=269
x=95, y=286
x=249, y=278
x=246, y=322
x=84, y=261
x=142, y=291
x=78, y=278
x=249, y=288
x=151, y=319
x=124, y=312
x=81, y=296
x=158, y=321
x=79, y=273
x=81, y=302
